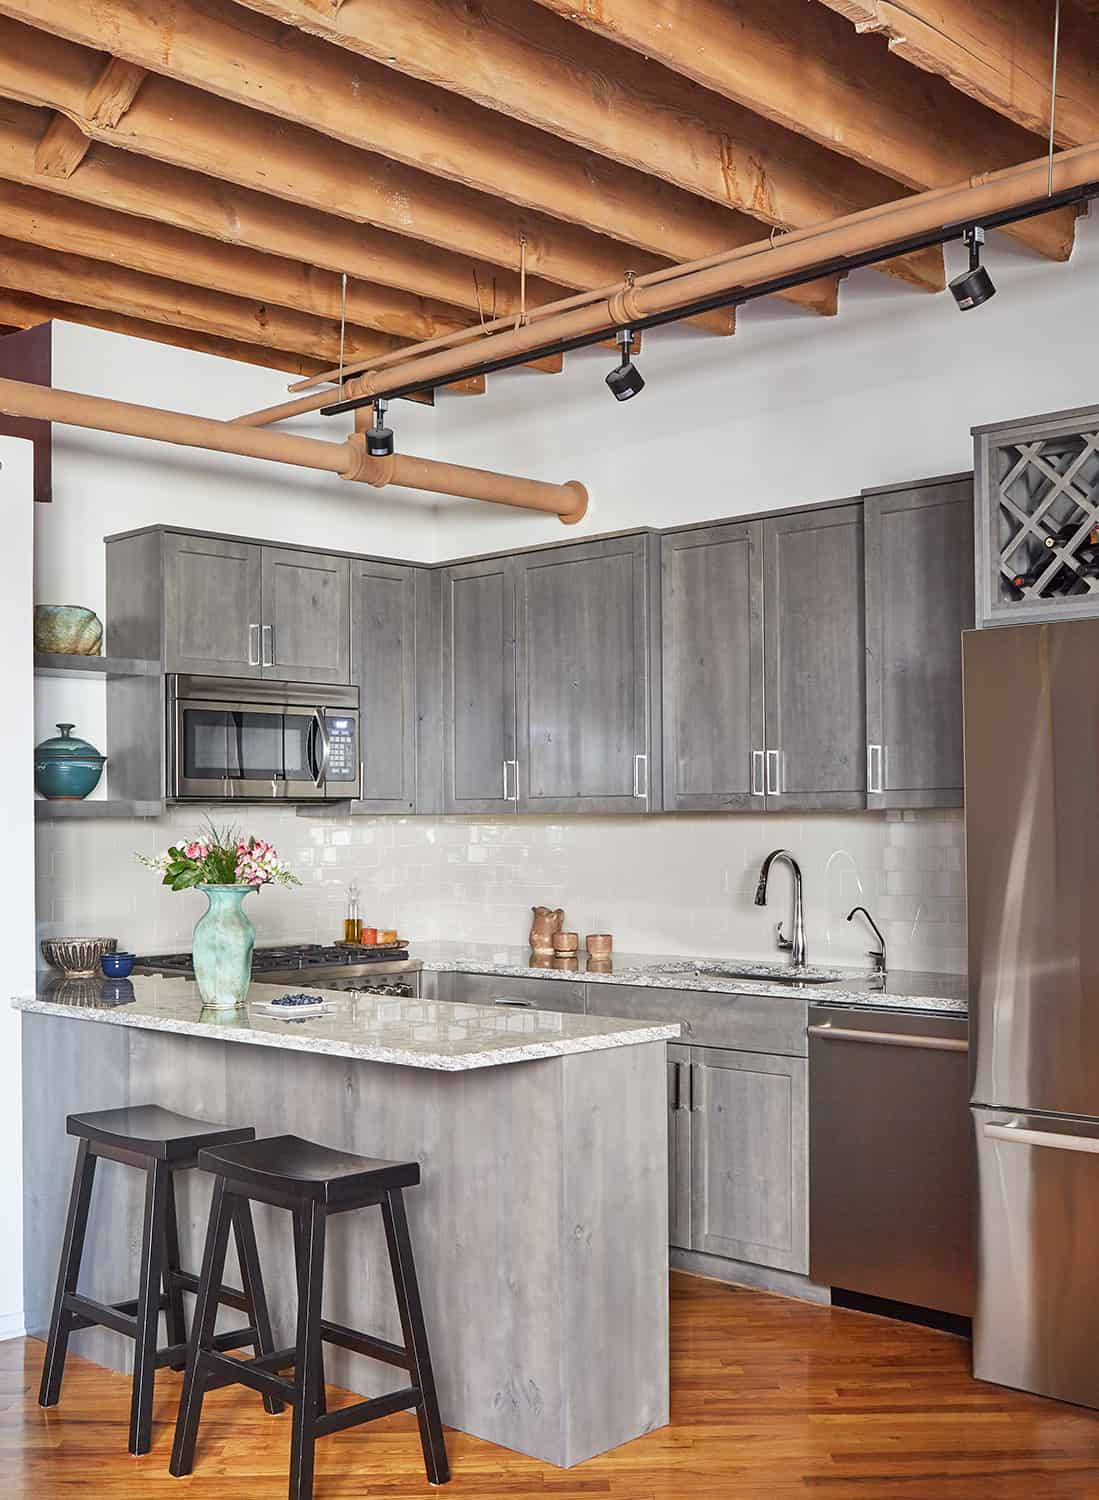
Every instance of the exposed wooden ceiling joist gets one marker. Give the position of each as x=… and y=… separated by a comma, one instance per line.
x=998, y=53
x=799, y=66
x=173, y=122
x=527, y=66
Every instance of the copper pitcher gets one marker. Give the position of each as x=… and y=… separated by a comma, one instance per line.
x=546, y=923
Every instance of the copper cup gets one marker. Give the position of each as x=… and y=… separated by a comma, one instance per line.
x=599, y=944
x=599, y=966
x=568, y=961
x=565, y=942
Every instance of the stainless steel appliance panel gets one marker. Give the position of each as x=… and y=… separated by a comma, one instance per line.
x=891, y=1165
x=1032, y=833
x=1036, y=1325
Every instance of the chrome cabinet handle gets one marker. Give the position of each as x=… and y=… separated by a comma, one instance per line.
x=253, y=646
x=511, y=796
x=640, y=761
x=772, y=781
x=1024, y=1137
x=874, y=758
x=889, y=1039
x=268, y=634
x=757, y=773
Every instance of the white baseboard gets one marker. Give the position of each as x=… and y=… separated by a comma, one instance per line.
x=11, y=1325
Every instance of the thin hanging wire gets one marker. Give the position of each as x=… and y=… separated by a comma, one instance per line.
x=343, y=318
x=1053, y=87
x=522, y=317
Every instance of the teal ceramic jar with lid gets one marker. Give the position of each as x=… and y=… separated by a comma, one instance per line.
x=67, y=768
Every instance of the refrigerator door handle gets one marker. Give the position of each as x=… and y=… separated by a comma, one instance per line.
x=1022, y=1136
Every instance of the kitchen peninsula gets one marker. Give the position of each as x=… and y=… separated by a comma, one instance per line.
x=540, y=1226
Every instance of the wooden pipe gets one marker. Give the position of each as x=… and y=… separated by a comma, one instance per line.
x=800, y=252
x=348, y=459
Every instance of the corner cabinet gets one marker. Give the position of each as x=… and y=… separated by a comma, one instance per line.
x=383, y=665
x=919, y=599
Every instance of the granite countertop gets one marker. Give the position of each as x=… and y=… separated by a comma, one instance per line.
x=370, y=1028
x=899, y=990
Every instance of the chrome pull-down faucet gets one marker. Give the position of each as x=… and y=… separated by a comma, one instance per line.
x=795, y=946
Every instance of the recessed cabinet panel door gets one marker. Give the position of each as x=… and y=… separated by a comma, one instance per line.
x=749, y=1158
x=583, y=678
x=815, y=659
x=383, y=659
x=306, y=616
x=679, y=1146
x=479, y=688
x=712, y=614
x=919, y=599
x=212, y=606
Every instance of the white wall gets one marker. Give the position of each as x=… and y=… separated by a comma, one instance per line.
x=17, y=867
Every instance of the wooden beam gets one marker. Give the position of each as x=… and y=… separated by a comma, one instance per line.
x=998, y=54
x=802, y=68
x=175, y=123
x=62, y=148
x=65, y=145
x=530, y=67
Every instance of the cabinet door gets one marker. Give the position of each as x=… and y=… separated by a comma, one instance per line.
x=919, y=599
x=479, y=772
x=679, y=1146
x=815, y=659
x=306, y=616
x=212, y=606
x=383, y=663
x=749, y=1158
x=712, y=628
x=583, y=708
x=550, y=994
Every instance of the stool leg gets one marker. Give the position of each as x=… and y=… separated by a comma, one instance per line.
x=175, y=1319
x=76, y=1226
x=158, y=1183
x=415, y=1335
x=299, y=1262
x=307, y=1368
x=252, y=1281
x=202, y=1331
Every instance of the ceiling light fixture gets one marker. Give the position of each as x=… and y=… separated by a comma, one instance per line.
x=974, y=286
x=379, y=437
x=626, y=380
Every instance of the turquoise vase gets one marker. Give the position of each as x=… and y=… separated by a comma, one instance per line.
x=222, y=947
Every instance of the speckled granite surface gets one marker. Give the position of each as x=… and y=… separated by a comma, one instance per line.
x=863, y=987
x=371, y=1028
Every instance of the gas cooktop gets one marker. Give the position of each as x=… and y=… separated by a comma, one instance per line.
x=297, y=956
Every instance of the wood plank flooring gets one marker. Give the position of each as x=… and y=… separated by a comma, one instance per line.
x=771, y=1399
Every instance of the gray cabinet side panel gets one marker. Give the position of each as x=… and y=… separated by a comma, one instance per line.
x=134, y=622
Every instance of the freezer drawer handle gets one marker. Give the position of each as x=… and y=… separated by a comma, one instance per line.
x=889, y=1039
x=1042, y=1138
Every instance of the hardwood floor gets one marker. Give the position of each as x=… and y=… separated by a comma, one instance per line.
x=771, y=1399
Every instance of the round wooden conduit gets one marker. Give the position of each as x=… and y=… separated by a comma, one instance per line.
x=349, y=459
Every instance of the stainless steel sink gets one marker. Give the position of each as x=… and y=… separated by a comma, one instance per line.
x=761, y=972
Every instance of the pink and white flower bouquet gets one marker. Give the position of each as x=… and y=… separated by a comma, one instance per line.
x=221, y=856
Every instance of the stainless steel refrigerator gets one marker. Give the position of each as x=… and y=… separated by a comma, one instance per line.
x=1032, y=837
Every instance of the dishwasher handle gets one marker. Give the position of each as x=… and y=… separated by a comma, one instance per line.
x=890, y=1038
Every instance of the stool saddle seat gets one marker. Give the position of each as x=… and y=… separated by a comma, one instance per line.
x=308, y=1171
x=151, y=1131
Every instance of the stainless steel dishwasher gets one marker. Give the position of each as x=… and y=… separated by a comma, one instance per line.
x=892, y=1176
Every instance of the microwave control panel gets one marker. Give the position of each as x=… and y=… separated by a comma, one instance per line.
x=343, y=757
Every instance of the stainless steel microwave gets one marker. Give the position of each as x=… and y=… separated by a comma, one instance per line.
x=237, y=740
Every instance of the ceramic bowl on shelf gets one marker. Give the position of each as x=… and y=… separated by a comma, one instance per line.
x=67, y=768
x=117, y=965
x=77, y=958
x=68, y=629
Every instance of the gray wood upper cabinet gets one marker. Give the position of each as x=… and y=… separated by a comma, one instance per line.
x=815, y=659
x=583, y=677
x=679, y=1146
x=383, y=664
x=213, y=610
x=712, y=668
x=479, y=761
x=306, y=625
x=919, y=599
x=749, y=1158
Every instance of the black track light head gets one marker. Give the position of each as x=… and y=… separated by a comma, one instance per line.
x=974, y=286
x=379, y=437
x=626, y=380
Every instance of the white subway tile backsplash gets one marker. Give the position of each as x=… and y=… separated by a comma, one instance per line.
x=660, y=884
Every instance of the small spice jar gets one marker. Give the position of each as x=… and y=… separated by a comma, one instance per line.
x=565, y=942
x=599, y=944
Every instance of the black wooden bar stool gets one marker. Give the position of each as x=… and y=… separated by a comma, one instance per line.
x=161, y=1144
x=312, y=1182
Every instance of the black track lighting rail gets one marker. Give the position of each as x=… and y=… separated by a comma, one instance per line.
x=735, y=296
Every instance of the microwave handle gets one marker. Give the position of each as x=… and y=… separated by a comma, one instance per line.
x=321, y=734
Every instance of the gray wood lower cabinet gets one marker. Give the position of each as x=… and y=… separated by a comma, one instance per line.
x=679, y=1146
x=919, y=599
x=749, y=1157
x=383, y=664
x=306, y=625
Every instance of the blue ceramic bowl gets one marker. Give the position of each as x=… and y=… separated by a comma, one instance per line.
x=117, y=965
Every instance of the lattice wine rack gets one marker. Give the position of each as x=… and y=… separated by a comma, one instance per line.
x=1037, y=518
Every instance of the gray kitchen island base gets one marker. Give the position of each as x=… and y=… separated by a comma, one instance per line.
x=540, y=1228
